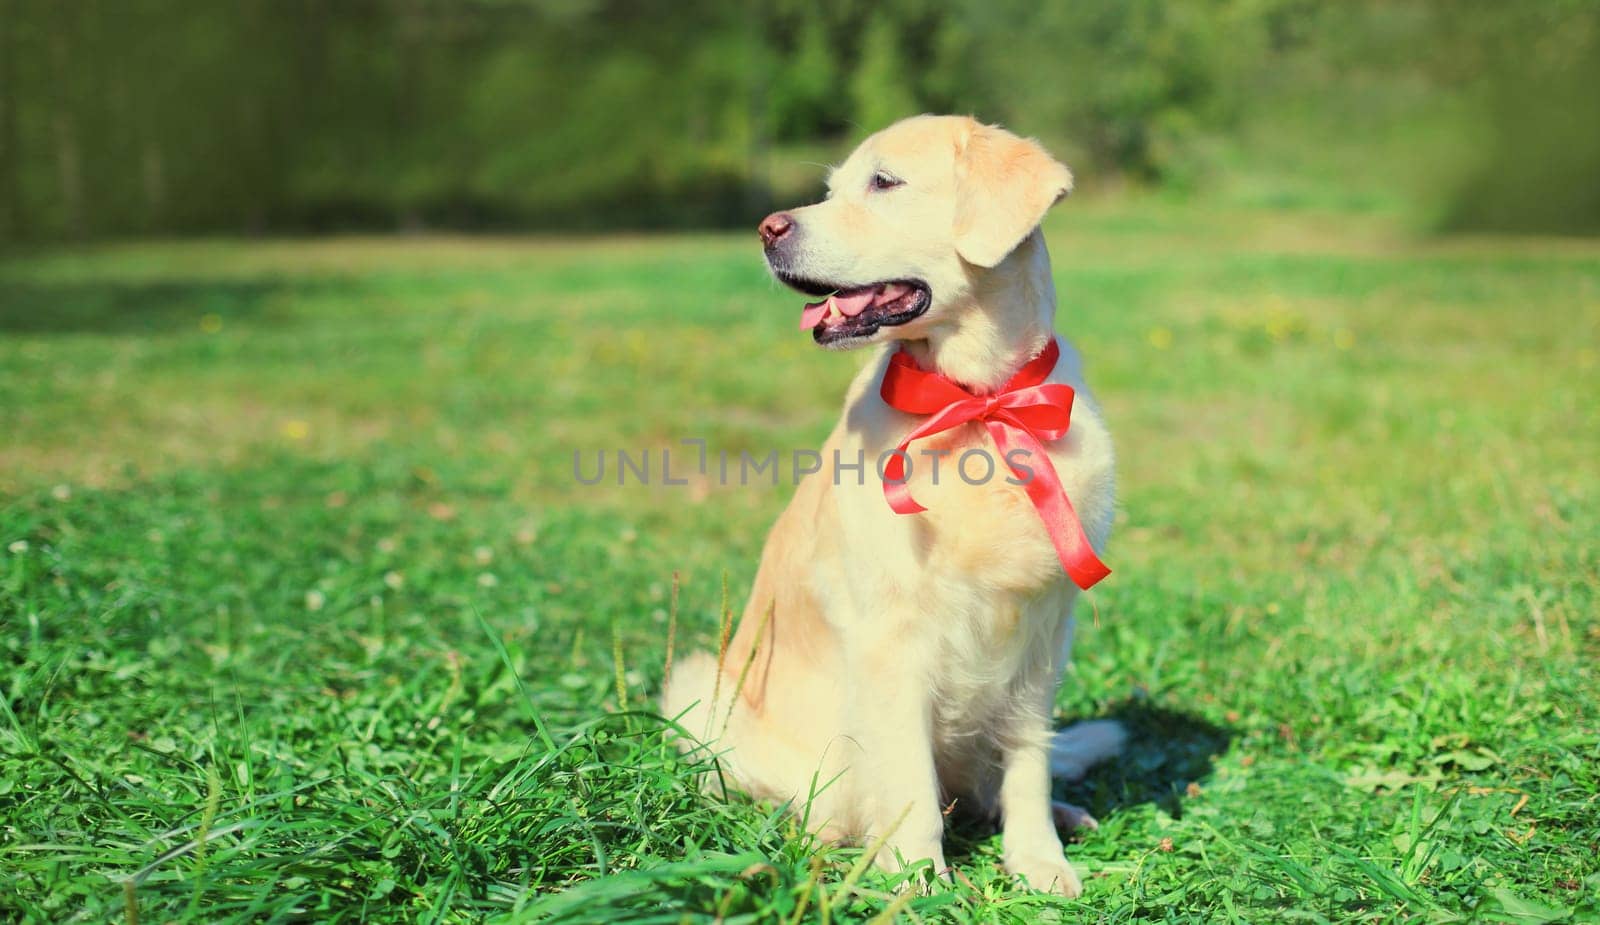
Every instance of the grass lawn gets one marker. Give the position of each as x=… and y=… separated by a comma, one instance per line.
x=303, y=615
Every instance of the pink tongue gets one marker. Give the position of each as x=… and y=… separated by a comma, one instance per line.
x=850, y=304
x=812, y=315
x=854, y=303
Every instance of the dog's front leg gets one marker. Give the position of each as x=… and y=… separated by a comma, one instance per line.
x=891, y=715
x=1032, y=845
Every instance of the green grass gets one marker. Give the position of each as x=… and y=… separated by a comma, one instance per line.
x=302, y=615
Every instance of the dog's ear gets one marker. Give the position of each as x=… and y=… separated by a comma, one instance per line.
x=1004, y=186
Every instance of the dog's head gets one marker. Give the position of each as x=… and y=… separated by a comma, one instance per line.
x=913, y=219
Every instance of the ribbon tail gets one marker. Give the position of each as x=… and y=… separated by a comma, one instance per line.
x=895, y=489
x=1061, y=521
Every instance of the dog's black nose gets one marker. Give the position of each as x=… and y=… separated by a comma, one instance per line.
x=774, y=227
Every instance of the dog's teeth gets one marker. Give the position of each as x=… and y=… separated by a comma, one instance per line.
x=834, y=315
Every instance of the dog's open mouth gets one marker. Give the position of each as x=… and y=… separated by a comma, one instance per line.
x=850, y=312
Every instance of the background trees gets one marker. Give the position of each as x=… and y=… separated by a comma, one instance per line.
x=124, y=117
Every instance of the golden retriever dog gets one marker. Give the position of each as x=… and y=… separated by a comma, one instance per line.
x=894, y=659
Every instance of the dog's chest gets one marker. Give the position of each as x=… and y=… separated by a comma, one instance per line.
x=976, y=564
x=979, y=523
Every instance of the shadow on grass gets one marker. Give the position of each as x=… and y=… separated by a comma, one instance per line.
x=140, y=308
x=1167, y=750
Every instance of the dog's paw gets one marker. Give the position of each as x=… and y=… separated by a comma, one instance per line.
x=1047, y=873
x=1069, y=818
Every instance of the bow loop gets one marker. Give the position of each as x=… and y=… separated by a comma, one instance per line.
x=1025, y=412
x=1046, y=410
x=907, y=388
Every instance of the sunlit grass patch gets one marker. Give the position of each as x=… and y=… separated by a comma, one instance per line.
x=304, y=615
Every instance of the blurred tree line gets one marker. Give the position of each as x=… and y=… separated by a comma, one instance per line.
x=122, y=117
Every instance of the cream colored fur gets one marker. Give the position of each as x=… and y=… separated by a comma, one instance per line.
x=895, y=663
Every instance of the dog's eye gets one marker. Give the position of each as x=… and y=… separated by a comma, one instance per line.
x=885, y=181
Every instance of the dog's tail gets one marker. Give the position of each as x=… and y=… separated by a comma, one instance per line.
x=1081, y=746
x=687, y=697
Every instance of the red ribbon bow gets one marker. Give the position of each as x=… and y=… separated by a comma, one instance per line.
x=1023, y=415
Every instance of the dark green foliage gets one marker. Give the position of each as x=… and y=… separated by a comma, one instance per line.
x=158, y=116
x=1540, y=144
